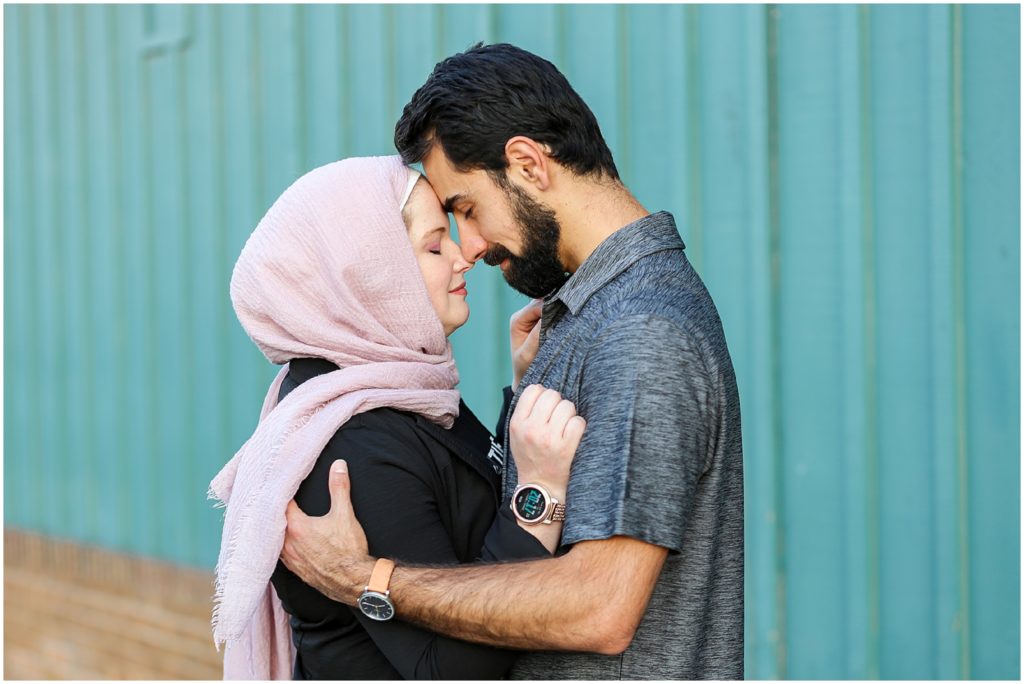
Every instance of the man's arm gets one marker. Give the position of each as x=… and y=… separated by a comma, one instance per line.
x=635, y=480
x=590, y=599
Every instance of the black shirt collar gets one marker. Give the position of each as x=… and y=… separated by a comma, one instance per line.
x=302, y=370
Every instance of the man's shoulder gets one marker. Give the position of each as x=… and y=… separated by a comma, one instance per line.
x=659, y=299
x=662, y=283
x=636, y=331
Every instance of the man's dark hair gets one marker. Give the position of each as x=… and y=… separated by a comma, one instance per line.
x=473, y=102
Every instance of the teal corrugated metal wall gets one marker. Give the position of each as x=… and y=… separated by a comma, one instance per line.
x=846, y=178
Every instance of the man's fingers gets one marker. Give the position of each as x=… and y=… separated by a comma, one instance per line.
x=340, y=486
x=293, y=514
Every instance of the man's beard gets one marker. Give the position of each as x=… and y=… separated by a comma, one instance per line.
x=538, y=271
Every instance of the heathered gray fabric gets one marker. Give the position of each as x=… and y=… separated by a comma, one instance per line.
x=635, y=341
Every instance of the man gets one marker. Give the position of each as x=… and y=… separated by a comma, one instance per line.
x=652, y=584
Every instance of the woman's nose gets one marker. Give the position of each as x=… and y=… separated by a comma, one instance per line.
x=461, y=265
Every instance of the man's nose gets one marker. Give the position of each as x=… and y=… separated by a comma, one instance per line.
x=473, y=246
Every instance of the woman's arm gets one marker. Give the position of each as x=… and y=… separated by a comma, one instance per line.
x=544, y=432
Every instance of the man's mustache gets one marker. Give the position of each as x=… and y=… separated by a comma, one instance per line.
x=495, y=255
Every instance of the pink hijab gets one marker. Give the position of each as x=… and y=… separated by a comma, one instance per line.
x=329, y=272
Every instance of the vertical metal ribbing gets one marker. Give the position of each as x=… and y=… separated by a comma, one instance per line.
x=870, y=349
x=960, y=337
x=775, y=274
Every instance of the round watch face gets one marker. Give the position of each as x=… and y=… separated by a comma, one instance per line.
x=376, y=606
x=530, y=504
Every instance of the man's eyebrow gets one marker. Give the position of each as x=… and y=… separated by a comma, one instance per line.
x=449, y=203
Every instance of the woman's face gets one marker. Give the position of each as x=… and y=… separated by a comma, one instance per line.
x=439, y=258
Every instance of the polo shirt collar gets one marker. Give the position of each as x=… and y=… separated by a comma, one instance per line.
x=620, y=250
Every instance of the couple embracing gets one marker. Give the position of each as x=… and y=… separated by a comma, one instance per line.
x=374, y=528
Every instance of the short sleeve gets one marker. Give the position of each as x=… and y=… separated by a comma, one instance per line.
x=648, y=400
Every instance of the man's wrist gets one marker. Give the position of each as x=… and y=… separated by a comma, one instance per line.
x=349, y=579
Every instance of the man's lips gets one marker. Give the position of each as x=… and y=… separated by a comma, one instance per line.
x=460, y=290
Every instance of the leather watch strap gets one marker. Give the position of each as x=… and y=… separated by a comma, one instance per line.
x=380, y=578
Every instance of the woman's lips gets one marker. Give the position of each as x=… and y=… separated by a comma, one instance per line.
x=460, y=290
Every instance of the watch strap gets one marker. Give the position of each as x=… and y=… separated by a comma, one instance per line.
x=380, y=578
x=557, y=513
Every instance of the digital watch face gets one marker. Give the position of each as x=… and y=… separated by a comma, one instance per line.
x=530, y=504
x=376, y=606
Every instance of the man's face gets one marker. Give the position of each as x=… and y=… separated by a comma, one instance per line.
x=504, y=226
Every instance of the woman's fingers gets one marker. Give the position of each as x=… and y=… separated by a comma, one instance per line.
x=573, y=433
x=525, y=319
x=561, y=415
x=546, y=404
x=529, y=397
x=543, y=435
x=533, y=339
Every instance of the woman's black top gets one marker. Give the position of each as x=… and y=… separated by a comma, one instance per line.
x=424, y=495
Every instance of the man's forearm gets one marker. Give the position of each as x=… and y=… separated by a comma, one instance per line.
x=563, y=603
x=505, y=604
x=508, y=604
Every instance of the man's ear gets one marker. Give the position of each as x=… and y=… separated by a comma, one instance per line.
x=528, y=161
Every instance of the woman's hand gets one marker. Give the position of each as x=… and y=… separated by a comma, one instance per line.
x=524, y=336
x=544, y=433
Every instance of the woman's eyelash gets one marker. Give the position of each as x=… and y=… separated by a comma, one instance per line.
x=436, y=249
x=468, y=213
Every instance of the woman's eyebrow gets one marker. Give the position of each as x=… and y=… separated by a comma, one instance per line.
x=430, y=233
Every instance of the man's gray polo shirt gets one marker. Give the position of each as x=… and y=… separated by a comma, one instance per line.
x=634, y=340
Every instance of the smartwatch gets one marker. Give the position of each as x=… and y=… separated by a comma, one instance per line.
x=375, y=601
x=533, y=505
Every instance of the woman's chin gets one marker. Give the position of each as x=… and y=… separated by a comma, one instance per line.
x=456, y=322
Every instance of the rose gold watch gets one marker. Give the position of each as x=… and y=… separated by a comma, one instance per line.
x=533, y=505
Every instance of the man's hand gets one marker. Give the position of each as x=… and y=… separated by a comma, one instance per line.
x=590, y=599
x=329, y=553
x=524, y=337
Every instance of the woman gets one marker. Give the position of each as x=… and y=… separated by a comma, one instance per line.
x=352, y=280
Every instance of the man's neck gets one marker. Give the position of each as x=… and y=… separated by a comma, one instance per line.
x=591, y=213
